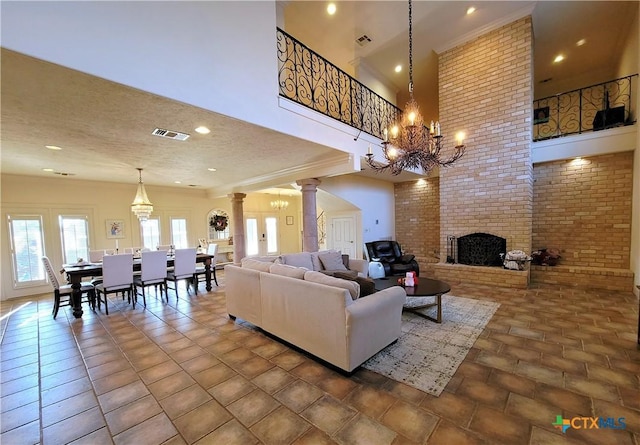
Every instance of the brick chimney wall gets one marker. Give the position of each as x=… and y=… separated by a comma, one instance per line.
x=486, y=91
x=417, y=206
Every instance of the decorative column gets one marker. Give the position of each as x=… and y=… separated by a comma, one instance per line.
x=309, y=214
x=239, y=247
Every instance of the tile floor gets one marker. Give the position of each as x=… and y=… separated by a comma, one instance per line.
x=184, y=373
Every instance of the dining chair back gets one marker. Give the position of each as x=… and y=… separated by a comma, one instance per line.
x=95, y=256
x=117, y=275
x=65, y=290
x=184, y=268
x=153, y=271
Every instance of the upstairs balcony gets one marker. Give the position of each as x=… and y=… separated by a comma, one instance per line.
x=310, y=80
x=597, y=107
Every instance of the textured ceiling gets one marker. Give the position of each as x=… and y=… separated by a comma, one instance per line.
x=105, y=128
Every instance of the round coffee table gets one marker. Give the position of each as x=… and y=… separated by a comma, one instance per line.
x=426, y=287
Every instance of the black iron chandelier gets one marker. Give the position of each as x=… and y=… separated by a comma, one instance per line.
x=409, y=144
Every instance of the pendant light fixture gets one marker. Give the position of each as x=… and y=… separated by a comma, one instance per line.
x=141, y=205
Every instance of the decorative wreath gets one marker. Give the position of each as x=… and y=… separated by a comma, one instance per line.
x=219, y=222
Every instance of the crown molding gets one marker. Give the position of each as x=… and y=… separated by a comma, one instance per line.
x=524, y=12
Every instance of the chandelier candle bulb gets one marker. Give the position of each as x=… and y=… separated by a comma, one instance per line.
x=459, y=138
x=369, y=152
x=437, y=128
x=432, y=128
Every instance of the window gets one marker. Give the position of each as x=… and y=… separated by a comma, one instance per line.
x=179, y=233
x=74, y=231
x=150, y=233
x=27, y=249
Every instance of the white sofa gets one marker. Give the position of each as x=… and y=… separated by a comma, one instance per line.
x=325, y=320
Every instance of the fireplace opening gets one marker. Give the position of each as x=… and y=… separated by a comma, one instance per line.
x=481, y=249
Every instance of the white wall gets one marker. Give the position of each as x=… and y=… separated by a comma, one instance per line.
x=374, y=198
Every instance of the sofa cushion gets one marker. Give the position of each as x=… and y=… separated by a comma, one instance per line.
x=352, y=274
x=262, y=266
x=288, y=271
x=318, y=277
x=301, y=259
x=367, y=285
x=332, y=261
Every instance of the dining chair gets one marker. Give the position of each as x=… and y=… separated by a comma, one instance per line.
x=153, y=271
x=201, y=273
x=117, y=274
x=95, y=256
x=65, y=290
x=184, y=268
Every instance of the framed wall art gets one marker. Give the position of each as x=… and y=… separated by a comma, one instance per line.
x=115, y=228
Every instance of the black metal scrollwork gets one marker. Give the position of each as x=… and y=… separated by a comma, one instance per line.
x=310, y=80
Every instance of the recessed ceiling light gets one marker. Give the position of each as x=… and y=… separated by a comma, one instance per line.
x=471, y=10
x=581, y=42
x=331, y=8
x=47, y=169
x=559, y=58
x=177, y=182
x=398, y=68
x=203, y=130
x=53, y=147
x=212, y=169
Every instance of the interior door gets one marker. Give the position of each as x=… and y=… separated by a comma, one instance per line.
x=262, y=234
x=343, y=235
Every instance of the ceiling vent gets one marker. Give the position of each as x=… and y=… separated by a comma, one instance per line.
x=169, y=134
x=363, y=40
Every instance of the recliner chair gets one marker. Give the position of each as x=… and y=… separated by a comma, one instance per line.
x=389, y=254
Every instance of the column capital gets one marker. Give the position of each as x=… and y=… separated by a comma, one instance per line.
x=237, y=196
x=309, y=184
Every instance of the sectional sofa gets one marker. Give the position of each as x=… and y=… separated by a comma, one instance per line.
x=318, y=313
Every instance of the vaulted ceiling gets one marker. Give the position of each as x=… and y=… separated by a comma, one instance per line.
x=99, y=122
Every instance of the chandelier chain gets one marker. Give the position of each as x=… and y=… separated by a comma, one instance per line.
x=410, y=51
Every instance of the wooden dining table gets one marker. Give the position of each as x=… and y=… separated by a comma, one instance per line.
x=75, y=273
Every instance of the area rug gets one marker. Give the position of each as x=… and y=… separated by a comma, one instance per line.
x=427, y=354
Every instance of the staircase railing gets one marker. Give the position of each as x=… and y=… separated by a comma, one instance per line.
x=309, y=79
x=596, y=107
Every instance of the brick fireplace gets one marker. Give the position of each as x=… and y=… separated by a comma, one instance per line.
x=485, y=91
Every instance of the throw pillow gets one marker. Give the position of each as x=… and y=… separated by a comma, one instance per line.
x=302, y=259
x=332, y=261
x=319, y=277
x=367, y=285
x=288, y=271
x=315, y=258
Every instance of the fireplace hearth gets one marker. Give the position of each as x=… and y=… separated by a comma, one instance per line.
x=481, y=249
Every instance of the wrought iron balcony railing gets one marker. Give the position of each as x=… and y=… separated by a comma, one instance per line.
x=596, y=107
x=307, y=78
x=310, y=80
